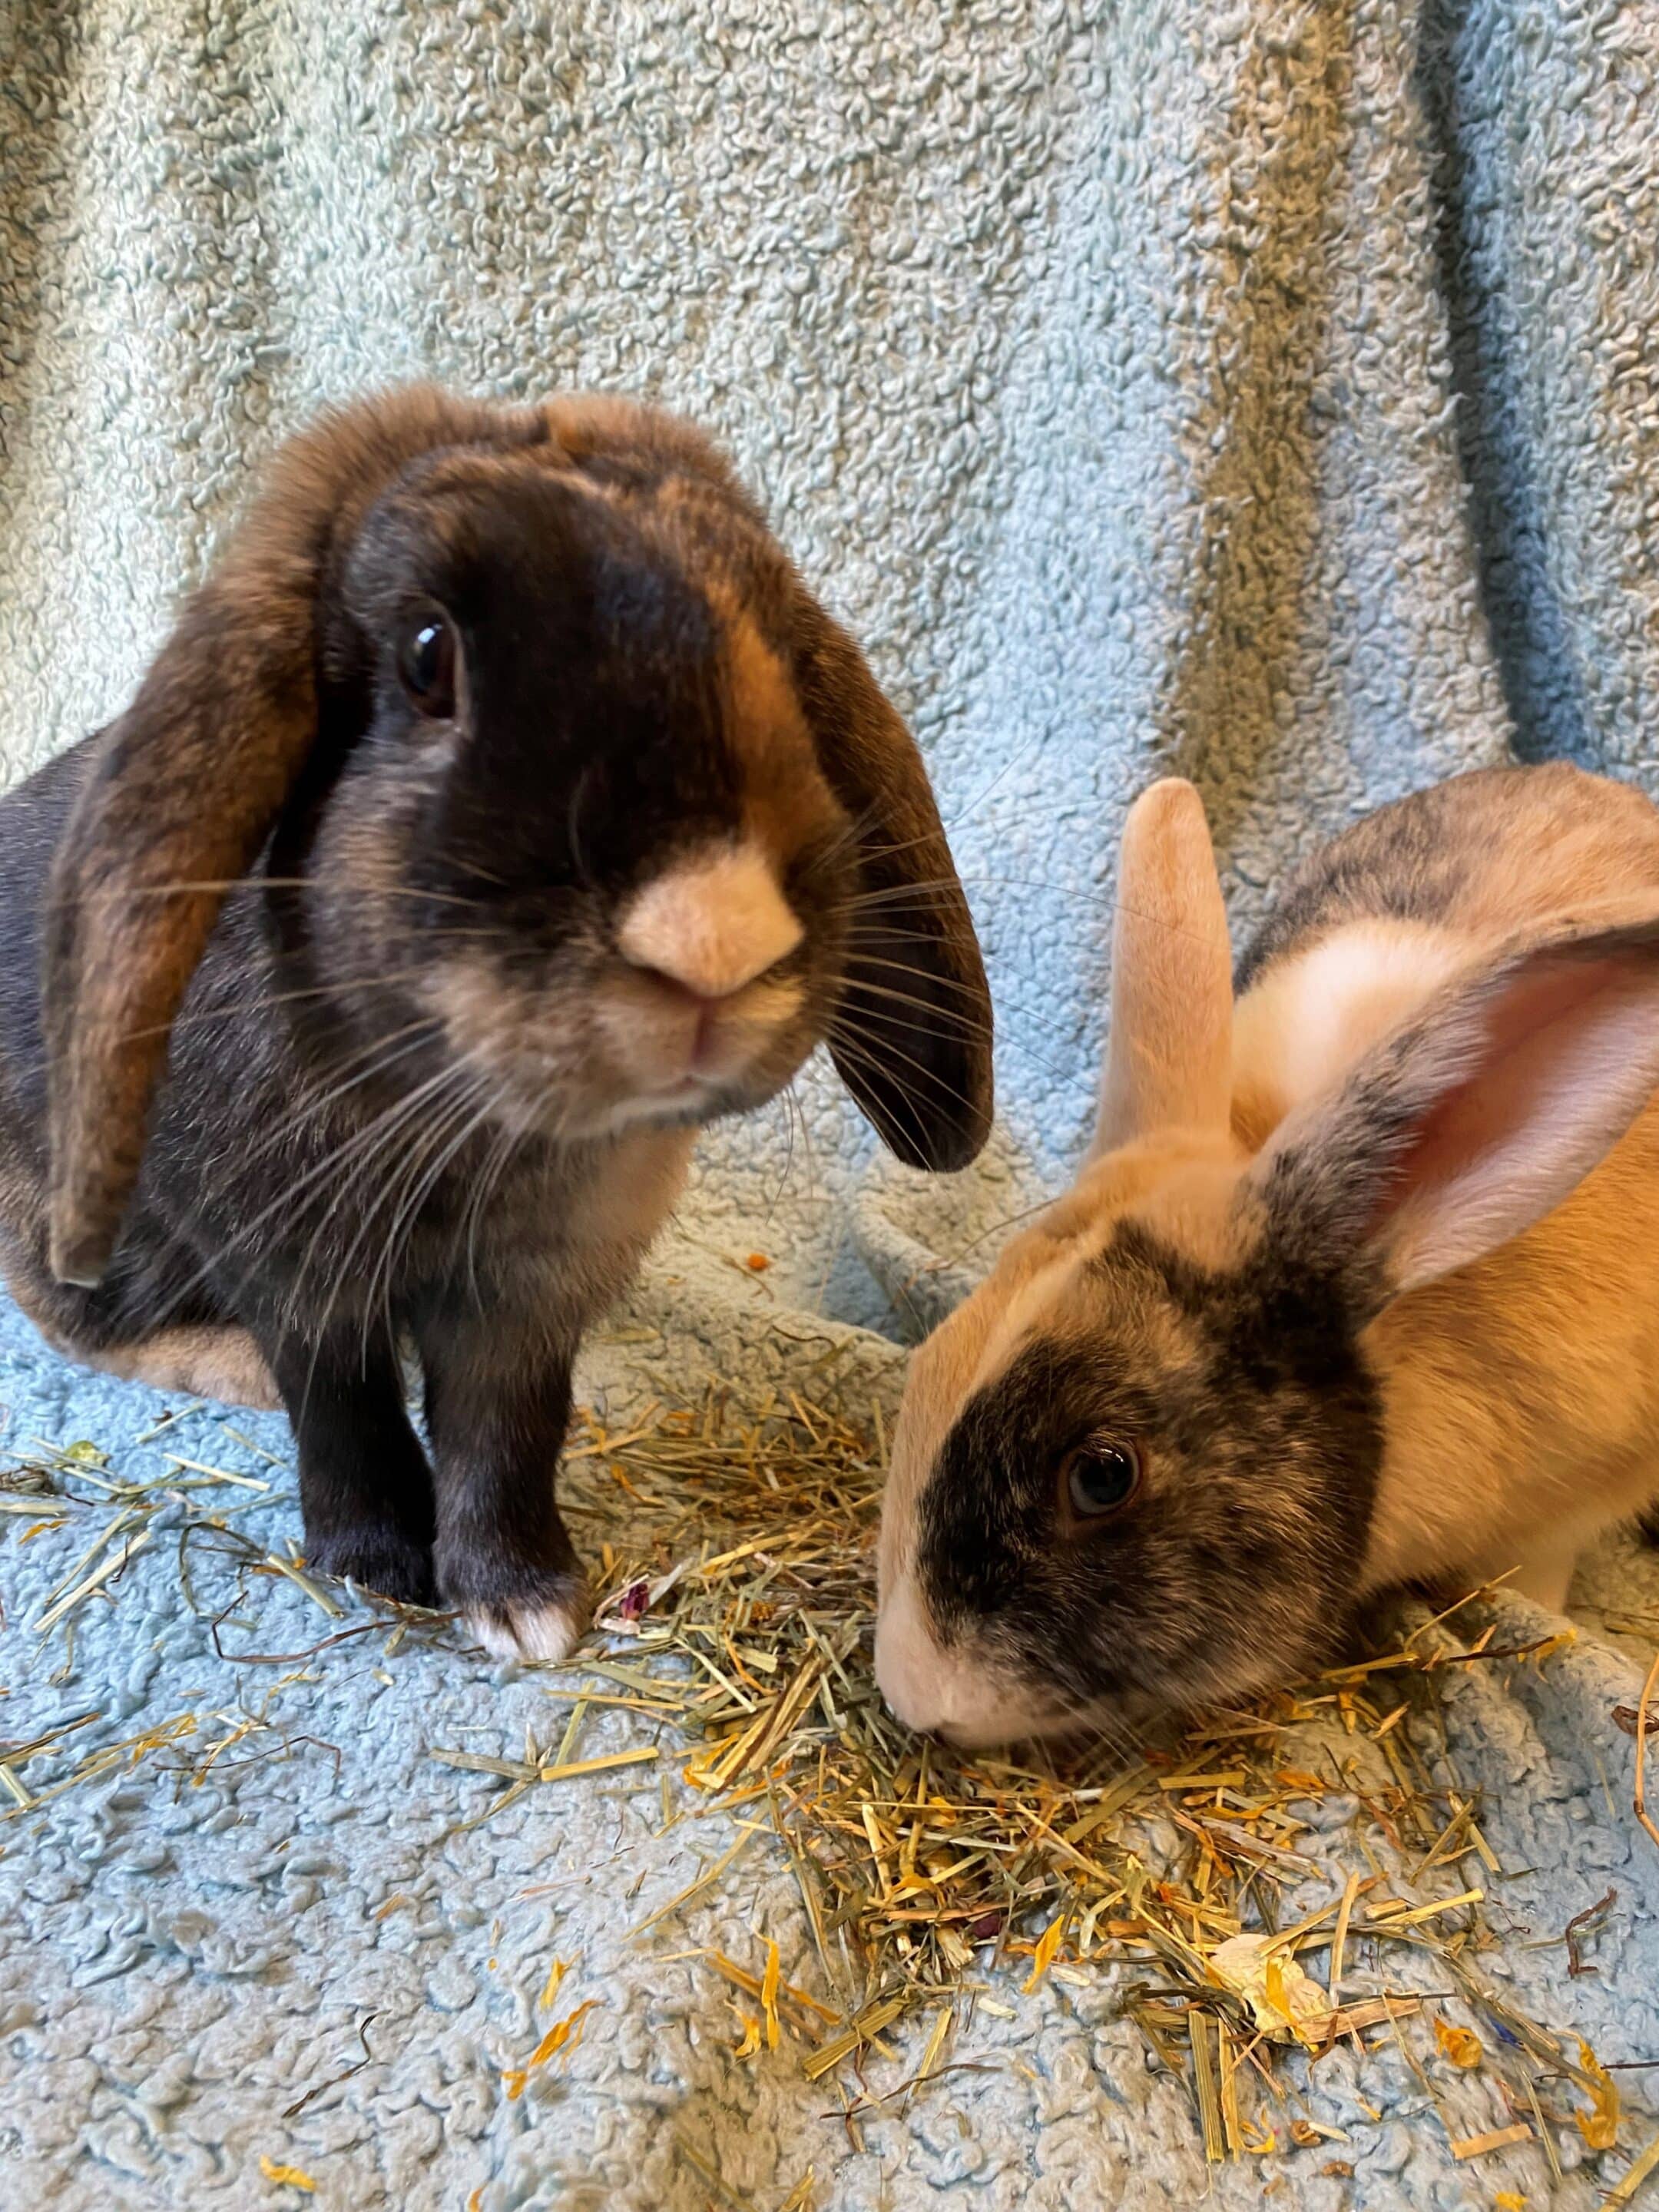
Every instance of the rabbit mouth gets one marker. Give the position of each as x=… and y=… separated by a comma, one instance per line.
x=667, y=1044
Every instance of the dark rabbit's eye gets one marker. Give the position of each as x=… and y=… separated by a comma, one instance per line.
x=426, y=664
x=1100, y=1479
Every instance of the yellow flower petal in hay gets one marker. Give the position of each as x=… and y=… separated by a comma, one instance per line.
x=290, y=2174
x=1599, y=2126
x=1461, y=2045
x=769, y=1995
x=564, y=2035
x=1283, y=2002
x=1043, y=1956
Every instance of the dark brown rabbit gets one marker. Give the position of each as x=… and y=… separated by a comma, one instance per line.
x=501, y=808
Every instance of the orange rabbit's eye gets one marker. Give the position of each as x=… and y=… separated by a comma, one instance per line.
x=1099, y=1479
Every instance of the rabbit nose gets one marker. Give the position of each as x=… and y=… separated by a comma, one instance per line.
x=910, y=1670
x=711, y=924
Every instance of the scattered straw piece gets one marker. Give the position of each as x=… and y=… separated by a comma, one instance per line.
x=1497, y=2139
x=1387, y=1917
x=935, y=2045
x=1339, y=1941
x=1643, y=1726
x=752, y=1986
x=706, y=1880
x=709, y=2173
x=641, y=1756
x=1204, y=2032
x=864, y=2029
x=101, y=1573
x=522, y=1769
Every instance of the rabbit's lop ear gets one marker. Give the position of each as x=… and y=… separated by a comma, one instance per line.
x=182, y=792
x=1473, y=1120
x=1168, y=1057
x=911, y=1032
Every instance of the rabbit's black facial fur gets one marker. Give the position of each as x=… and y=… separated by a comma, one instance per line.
x=1244, y=1397
x=616, y=724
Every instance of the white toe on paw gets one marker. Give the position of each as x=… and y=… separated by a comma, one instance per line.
x=549, y=1632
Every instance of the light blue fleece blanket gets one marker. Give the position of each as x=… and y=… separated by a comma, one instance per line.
x=1265, y=390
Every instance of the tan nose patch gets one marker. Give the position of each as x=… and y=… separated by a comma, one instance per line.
x=711, y=923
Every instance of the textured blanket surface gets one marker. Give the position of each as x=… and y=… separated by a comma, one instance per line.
x=1269, y=391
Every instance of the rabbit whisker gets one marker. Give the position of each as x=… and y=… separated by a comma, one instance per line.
x=458, y=1127
x=862, y=1056
x=879, y=1050
x=342, y=1155
x=365, y=1152
x=190, y=887
x=494, y=1168
x=440, y=1119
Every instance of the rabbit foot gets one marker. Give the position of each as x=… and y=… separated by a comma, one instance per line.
x=546, y=1627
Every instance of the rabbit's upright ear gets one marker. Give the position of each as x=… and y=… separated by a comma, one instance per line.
x=1473, y=1120
x=1169, y=1056
x=911, y=1032
x=183, y=790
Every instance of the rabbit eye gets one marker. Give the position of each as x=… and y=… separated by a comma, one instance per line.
x=426, y=665
x=1100, y=1479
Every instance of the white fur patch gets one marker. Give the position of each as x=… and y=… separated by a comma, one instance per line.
x=548, y=1633
x=929, y=1688
x=713, y=923
x=1311, y=1017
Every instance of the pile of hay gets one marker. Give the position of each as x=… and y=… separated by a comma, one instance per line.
x=739, y=1622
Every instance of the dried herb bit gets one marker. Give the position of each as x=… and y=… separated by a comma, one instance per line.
x=1586, y=1923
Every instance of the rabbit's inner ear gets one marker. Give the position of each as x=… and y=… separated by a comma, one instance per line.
x=1567, y=1057
x=711, y=923
x=1459, y=1131
x=1168, y=1062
